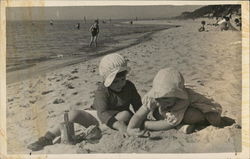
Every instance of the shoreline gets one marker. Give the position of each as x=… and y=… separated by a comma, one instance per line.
x=39, y=68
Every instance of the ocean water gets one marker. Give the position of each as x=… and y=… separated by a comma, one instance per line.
x=32, y=42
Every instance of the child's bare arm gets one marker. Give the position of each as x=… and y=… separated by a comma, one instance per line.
x=158, y=125
x=172, y=118
x=90, y=29
x=136, y=121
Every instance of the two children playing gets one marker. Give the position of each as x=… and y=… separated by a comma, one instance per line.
x=169, y=102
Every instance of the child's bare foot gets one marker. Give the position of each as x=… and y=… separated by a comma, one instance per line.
x=187, y=129
x=226, y=121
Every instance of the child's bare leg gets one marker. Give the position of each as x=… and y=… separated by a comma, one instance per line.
x=213, y=118
x=91, y=40
x=78, y=116
x=95, y=40
x=123, y=116
x=194, y=116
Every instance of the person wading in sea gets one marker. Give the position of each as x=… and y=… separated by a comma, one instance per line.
x=94, y=29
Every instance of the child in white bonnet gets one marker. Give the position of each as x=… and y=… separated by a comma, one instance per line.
x=112, y=101
x=171, y=104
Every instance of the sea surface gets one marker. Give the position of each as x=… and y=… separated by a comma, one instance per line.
x=33, y=42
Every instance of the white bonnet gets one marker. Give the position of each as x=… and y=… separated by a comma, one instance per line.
x=168, y=82
x=110, y=65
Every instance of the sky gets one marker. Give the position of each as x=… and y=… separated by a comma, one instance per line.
x=93, y=12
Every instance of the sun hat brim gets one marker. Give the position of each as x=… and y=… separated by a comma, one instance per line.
x=110, y=78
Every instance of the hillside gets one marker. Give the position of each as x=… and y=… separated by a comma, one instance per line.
x=212, y=11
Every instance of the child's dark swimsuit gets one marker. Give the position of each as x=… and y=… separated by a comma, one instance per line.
x=94, y=30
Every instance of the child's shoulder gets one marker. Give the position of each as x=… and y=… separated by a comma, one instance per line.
x=101, y=87
x=130, y=84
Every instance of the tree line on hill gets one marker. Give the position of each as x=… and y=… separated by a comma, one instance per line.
x=212, y=11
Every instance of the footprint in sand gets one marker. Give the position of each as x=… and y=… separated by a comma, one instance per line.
x=27, y=118
x=74, y=71
x=75, y=93
x=47, y=92
x=79, y=103
x=10, y=99
x=150, y=67
x=33, y=101
x=51, y=79
x=31, y=91
x=70, y=86
x=98, y=83
x=72, y=78
x=24, y=105
x=51, y=111
x=51, y=116
x=58, y=101
x=201, y=82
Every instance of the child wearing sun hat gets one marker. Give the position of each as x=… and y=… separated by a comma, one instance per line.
x=172, y=104
x=114, y=96
x=112, y=101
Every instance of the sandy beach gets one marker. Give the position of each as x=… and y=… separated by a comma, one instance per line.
x=210, y=62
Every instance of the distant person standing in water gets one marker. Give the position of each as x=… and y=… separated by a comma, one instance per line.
x=94, y=29
x=78, y=26
x=51, y=22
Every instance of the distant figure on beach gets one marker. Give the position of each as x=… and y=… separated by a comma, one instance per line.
x=51, y=22
x=202, y=28
x=85, y=21
x=238, y=22
x=78, y=25
x=94, y=29
x=131, y=22
x=112, y=101
x=216, y=22
x=225, y=24
x=170, y=105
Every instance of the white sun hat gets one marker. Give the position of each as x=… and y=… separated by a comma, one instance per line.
x=168, y=83
x=110, y=65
